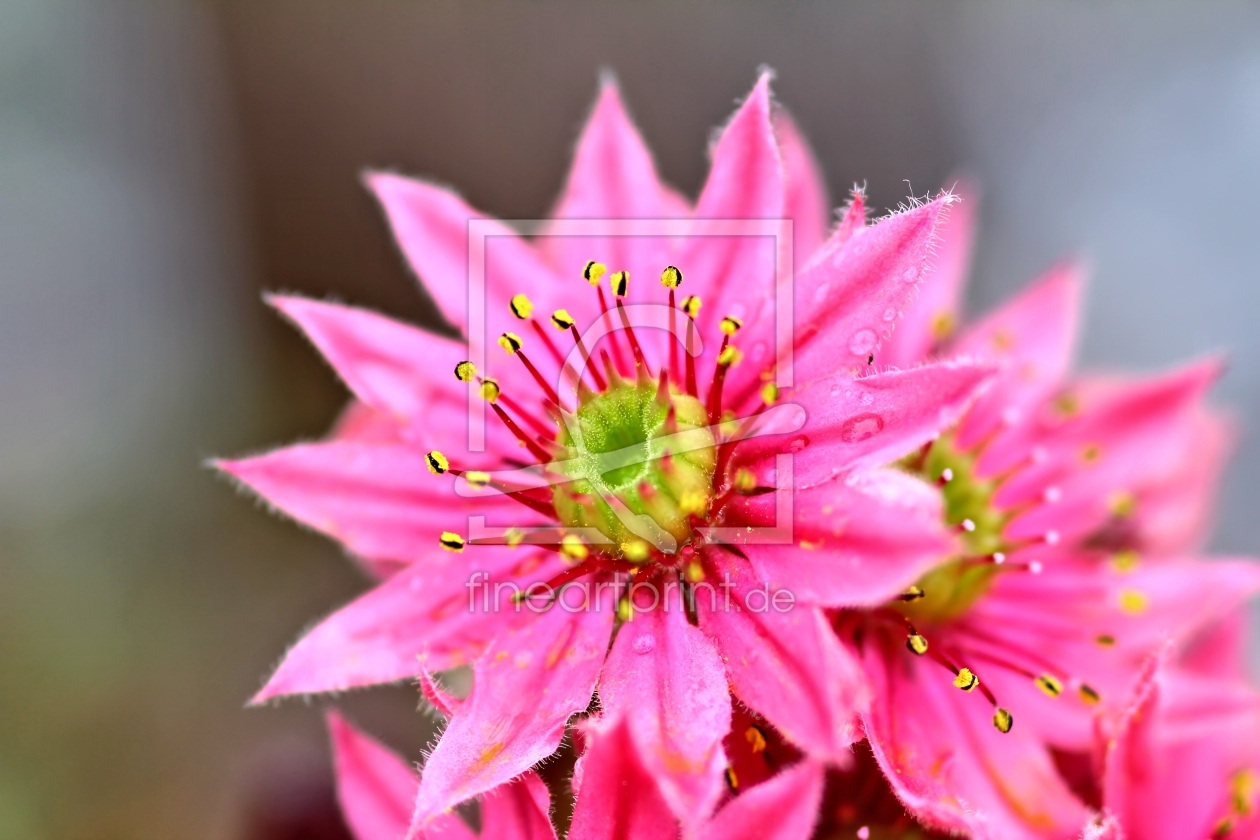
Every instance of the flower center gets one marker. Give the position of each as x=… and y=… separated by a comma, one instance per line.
x=950, y=589
x=641, y=459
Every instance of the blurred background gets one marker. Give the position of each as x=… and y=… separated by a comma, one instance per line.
x=162, y=163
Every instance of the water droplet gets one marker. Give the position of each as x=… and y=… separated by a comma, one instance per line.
x=1052, y=495
x=848, y=393
x=863, y=342
x=835, y=389
x=861, y=427
x=911, y=275
x=868, y=398
x=820, y=294
x=890, y=314
x=758, y=351
x=799, y=442
x=645, y=643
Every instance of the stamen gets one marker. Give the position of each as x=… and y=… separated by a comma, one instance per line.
x=690, y=359
x=572, y=547
x=691, y=306
x=770, y=393
x=437, y=462
x=620, y=283
x=562, y=319
x=1049, y=686
x=1088, y=694
x=756, y=738
x=593, y=271
x=966, y=680
x=477, y=478
x=490, y=390
x=639, y=362
x=510, y=342
x=671, y=277
x=730, y=325
x=916, y=644
x=451, y=541
x=522, y=307
x=465, y=371
x=534, y=448
x=912, y=593
x=1003, y=720
x=727, y=356
x=555, y=584
x=546, y=340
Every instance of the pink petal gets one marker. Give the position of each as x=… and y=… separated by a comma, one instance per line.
x=925, y=322
x=947, y=762
x=431, y=226
x=1034, y=335
x=437, y=696
x=517, y=811
x=612, y=178
x=664, y=676
x=735, y=274
x=870, y=421
x=787, y=664
x=361, y=423
x=853, y=221
x=376, y=788
x=784, y=807
x=1220, y=649
x=1169, y=765
x=856, y=542
x=438, y=609
x=1138, y=433
x=380, y=501
x=805, y=190
x=525, y=688
x=618, y=797
x=849, y=298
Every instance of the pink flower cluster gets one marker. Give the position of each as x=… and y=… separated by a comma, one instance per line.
x=990, y=615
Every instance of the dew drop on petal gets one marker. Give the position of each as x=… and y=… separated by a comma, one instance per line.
x=868, y=398
x=1052, y=495
x=645, y=643
x=911, y=275
x=798, y=443
x=861, y=427
x=863, y=342
x=820, y=294
x=890, y=314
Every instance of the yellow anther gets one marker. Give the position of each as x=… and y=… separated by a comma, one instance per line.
x=1105, y=640
x=731, y=779
x=912, y=593
x=1002, y=720
x=690, y=305
x=1243, y=787
x=1091, y=452
x=730, y=325
x=620, y=282
x=1067, y=404
x=513, y=537
x=770, y=393
x=1049, y=686
x=477, y=478
x=625, y=610
x=572, y=547
x=729, y=356
x=671, y=277
x=694, y=572
x=522, y=307
x=1223, y=829
x=745, y=481
x=966, y=680
x=917, y=644
x=1089, y=694
x=693, y=501
x=755, y=738
x=451, y=541
x=510, y=342
x=1125, y=561
x=636, y=551
x=489, y=390
x=1133, y=601
x=562, y=319
x=593, y=271
x=942, y=326
x=465, y=371
x=1122, y=503
x=437, y=462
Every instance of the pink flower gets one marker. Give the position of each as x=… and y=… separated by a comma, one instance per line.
x=1183, y=759
x=989, y=671
x=689, y=516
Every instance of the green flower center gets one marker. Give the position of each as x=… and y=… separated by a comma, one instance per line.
x=951, y=588
x=640, y=464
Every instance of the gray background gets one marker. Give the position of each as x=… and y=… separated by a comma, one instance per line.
x=161, y=163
